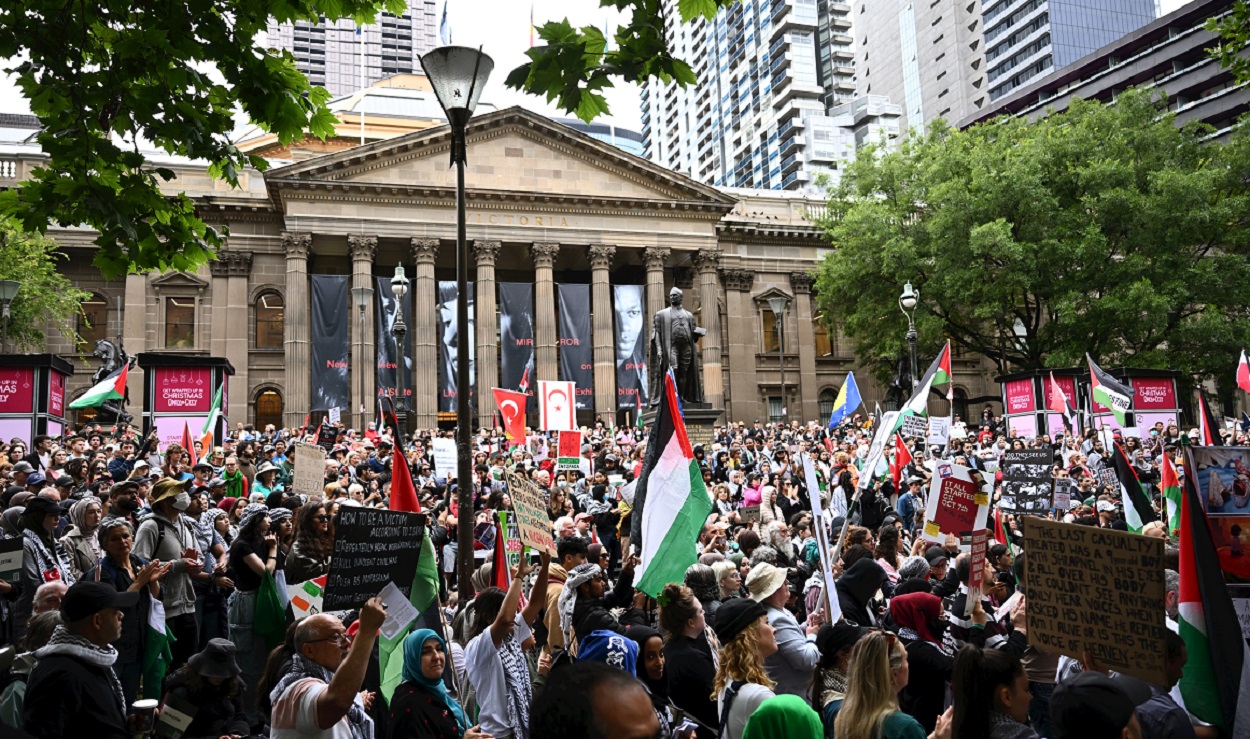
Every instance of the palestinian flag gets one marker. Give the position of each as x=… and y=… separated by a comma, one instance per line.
x=1215, y=683
x=1137, y=509
x=424, y=597
x=938, y=373
x=112, y=387
x=1113, y=394
x=1171, y=484
x=1243, y=373
x=902, y=458
x=944, y=374
x=188, y=444
x=210, y=423
x=1057, y=401
x=1001, y=534
x=1207, y=425
x=157, y=655
x=670, y=501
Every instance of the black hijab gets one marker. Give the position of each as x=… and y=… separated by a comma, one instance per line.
x=857, y=587
x=658, y=688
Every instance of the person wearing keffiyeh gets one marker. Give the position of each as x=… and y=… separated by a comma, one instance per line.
x=43, y=557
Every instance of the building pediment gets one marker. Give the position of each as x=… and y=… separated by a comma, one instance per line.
x=512, y=154
x=176, y=280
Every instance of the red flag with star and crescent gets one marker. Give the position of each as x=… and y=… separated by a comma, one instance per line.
x=511, y=406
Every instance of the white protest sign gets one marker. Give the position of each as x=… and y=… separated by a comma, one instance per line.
x=444, y=451
x=939, y=431
x=335, y=415
x=399, y=611
x=822, y=541
x=914, y=426
x=310, y=470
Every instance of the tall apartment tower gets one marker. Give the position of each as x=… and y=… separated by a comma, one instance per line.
x=768, y=74
x=329, y=53
x=950, y=58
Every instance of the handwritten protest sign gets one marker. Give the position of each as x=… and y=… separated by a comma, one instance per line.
x=530, y=506
x=939, y=431
x=1098, y=591
x=310, y=470
x=371, y=548
x=914, y=427
x=976, y=564
x=958, y=504
x=444, y=453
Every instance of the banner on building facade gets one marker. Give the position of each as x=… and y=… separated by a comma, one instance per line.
x=447, y=329
x=329, y=351
x=387, y=353
x=631, y=347
x=577, y=359
x=516, y=338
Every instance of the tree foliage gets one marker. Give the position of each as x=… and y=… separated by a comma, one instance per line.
x=46, y=297
x=1234, y=32
x=1103, y=229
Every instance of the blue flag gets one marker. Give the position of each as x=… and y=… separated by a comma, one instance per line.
x=848, y=400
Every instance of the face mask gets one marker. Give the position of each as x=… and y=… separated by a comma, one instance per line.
x=182, y=501
x=562, y=483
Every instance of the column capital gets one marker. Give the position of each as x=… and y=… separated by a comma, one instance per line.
x=296, y=244
x=601, y=256
x=486, y=251
x=683, y=277
x=738, y=279
x=656, y=256
x=544, y=253
x=231, y=264
x=424, y=251
x=707, y=260
x=362, y=248
x=802, y=282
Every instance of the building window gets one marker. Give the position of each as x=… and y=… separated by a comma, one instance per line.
x=269, y=409
x=93, y=321
x=775, y=410
x=825, y=402
x=772, y=337
x=269, y=314
x=824, y=342
x=180, y=323
x=961, y=404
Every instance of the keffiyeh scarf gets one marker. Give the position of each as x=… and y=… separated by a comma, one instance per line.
x=46, y=560
x=580, y=575
x=65, y=643
x=517, y=679
x=832, y=687
x=303, y=668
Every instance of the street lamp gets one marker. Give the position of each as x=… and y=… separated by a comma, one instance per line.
x=907, y=303
x=360, y=298
x=399, y=288
x=779, y=304
x=458, y=75
x=8, y=291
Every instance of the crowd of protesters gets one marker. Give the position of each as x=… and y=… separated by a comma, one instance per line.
x=113, y=528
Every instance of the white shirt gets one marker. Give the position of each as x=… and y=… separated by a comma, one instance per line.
x=485, y=671
x=749, y=698
x=295, y=714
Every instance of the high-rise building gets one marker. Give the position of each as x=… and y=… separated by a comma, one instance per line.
x=330, y=53
x=951, y=58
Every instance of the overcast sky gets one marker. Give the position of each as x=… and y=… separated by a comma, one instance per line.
x=502, y=27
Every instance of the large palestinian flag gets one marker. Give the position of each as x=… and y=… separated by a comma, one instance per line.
x=1112, y=393
x=424, y=598
x=112, y=387
x=671, y=502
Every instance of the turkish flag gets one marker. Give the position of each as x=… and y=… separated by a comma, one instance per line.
x=512, y=407
x=902, y=458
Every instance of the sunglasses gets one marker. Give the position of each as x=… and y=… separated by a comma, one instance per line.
x=323, y=519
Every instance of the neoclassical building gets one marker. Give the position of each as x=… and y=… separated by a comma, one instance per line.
x=546, y=205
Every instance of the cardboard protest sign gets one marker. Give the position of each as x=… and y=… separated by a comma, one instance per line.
x=914, y=427
x=11, y=554
x=568, y=450
x=512, y=544
x=310, y=470
x=976, y=563
x=1027, y=481
x=530, y=505
x=371, y=548
x=444, y=453
x=749, y=513
x=1098, y=591
x=958, y=504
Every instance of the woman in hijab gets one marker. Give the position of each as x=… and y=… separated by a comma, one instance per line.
x=81, y=544
x=421, y=707
x=856, y=590
x=9, y=527
x=784, y=716
x=835, y=642
x=921, y=626
x=43, y=559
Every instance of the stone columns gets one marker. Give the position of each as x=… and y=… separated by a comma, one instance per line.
x=135, y=338
x=743, y=404
x=655, y=258
x=230, y=319
x=544, y=311
x=424, y=336
x=805, y=345
x=486, y=330
x=604, y=338
x=364, y=345
x=296, y=327
x=706, y=262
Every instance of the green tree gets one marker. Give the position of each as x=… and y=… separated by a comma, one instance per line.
x=1234, y=33
x=46, y=298
x=1103, y=229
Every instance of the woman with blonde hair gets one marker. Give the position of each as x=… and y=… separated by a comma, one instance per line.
x=741, y=682
x=876, y=674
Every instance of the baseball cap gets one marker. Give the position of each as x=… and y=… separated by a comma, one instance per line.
x=86, y=598
x=1090, y=705
x=35, y=478
x=22, y=467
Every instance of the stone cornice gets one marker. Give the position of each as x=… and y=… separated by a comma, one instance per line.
x=802, y=282
x=738, y=279
x=296, y=245
x=750, y=232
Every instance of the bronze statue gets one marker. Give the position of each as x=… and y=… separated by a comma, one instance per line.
x=674, y=344
x=112, y=358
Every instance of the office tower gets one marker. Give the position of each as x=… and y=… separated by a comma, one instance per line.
x=330, y=52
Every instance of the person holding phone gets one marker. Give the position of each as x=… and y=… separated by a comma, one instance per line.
x=167, y=536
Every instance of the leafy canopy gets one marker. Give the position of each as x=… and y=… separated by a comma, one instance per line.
x=46, y=296
x=1104, y=229
x=1234, y=32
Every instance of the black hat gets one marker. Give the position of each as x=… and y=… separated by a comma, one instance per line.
x=734, y=616
x=124, y=486
x=64, y=481
x=833, y=638
x=215, y=660
x=936, y=555
x=41, y=506
x=202, y=466
x=87, y=597
x=1090, y=705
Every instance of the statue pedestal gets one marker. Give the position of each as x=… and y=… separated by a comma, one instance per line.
x=701, y=420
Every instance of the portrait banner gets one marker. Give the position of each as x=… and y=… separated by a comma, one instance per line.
x=447, y=329
x=631, y=347
x=1027, y=481
x=329, y=351
x=577, y=361
x=388, y=353
x=516, y=339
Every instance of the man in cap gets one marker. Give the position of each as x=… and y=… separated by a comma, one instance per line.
x=167, y=536
x=908, y=502
x=123, y=501
x=1093, y=706
x=201, y=471
x=21, y=472
x=792, y=665
x=72, y=690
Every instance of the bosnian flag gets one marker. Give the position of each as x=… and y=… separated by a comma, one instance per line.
x=1112, y=393
x=556, y=405
x=1243, y=373
x=112, y=387
x=671, y=502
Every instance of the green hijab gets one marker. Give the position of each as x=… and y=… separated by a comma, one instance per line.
x=784, y=717
x=413, y=645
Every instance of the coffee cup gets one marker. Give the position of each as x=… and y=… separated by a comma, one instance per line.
x=144, y=712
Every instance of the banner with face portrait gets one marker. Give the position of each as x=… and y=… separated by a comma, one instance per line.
x=331, y=310
x=447, y=328
x=516, y=338
x=631, y=347
x=577, y=361
x=388, y=353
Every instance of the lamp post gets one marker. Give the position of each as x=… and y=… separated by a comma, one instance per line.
x=907, y=303
x=360, y=298
x=458, y=75
x=399, y=288
x=8, y=291
x=779, y=304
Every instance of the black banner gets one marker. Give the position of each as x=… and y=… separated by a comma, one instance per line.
x=447, y=295
x=331, y=310
x=1027, y=481
x=516, y=338
x=631, y=347
x=577, y=360
x=372, y=547
x=388, y=380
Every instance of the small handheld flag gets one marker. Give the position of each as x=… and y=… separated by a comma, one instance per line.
x=847, y=401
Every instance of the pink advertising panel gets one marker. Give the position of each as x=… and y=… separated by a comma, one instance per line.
x=17, y=391
x=183, y=390
x=1020, y=396
x=15, y=428
x=1024, y=427
x=1054, y=424
x=169, y=428
x=56, y=394
x=1154, y=393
